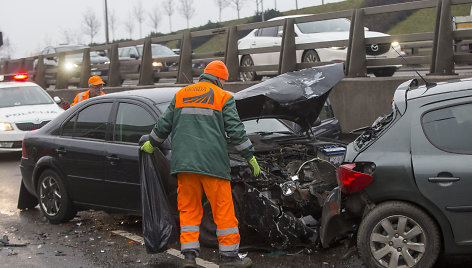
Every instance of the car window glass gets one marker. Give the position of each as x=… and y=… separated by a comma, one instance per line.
x=264, y=125
x=132, y=121
x=124, y=52
x=92, y=121
x=68, y=127
x=450, y=128
x=334, y=25
x=23, y=95
x=270, y=31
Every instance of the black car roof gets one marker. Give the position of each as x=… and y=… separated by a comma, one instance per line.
x=157, y=95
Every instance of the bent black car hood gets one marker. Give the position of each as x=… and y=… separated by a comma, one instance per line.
x=297, y=96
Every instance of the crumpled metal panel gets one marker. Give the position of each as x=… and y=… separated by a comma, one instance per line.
x=262, y=215
x=297, y=96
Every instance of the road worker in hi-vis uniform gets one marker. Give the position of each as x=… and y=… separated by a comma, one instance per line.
x=199, y=118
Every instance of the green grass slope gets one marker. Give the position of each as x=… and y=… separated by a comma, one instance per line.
x=424, y=20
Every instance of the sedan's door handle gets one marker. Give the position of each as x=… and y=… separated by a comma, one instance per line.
x=61, y=150
x=253, y=43
x=113, y=158
x=443, y=179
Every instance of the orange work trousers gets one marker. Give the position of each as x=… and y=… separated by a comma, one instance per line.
x=189, y=200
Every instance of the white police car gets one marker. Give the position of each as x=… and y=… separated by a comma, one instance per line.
x=24, y=106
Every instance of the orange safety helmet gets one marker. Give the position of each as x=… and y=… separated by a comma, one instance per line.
x=218, y=69
x=95, y=80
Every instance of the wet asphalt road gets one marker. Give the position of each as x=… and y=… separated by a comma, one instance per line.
x=88, y=240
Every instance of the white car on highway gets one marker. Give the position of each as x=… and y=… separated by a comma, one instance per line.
x=24, y=106
x=310, y=32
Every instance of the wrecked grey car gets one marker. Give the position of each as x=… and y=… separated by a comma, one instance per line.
x=88, y=158
x=404, y=185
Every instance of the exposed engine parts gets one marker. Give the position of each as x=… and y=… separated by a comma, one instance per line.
x=295, y=180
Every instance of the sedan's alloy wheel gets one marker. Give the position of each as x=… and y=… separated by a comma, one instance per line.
x=247, y=76
x=398, y=241
x=50, y=196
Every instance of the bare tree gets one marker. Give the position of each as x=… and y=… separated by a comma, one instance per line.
x=67, y=35
x=169, y=10
x=139, y=15
x=222, y=4
x=154, y=16
x=238, y=4
x=91, y=24
x=112, y=20
x=129, y=25
x=187, y=10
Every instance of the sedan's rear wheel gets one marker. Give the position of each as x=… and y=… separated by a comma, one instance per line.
x=310, y=56
x=398, y=234
x=247, y=61
x=53, y=198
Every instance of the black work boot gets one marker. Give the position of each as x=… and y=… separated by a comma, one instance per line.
x=189, y=260
x=235, y=261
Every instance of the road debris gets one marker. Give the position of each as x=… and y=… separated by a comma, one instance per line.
x=4, y=242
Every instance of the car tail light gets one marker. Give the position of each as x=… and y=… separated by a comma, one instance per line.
x=20, y=77
x=23, y=150
x=351, y=181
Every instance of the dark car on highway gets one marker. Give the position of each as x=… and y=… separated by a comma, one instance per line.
x=88, y=158
x=73, y=62
x=159, y=63
x=405, y=183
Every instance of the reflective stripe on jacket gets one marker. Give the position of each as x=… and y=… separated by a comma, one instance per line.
x=199, y=118
x=82, y=96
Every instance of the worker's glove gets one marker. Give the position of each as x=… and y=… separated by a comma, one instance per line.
x=255, y=166
x=148, y=148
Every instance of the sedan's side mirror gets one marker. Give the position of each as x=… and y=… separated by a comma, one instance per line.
x=57, y=99
x=134, y=56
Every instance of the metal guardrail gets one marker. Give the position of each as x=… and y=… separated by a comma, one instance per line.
x=441, y=58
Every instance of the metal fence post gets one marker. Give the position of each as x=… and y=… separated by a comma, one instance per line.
x=39, y=75
x=146, y=73
x=61, y=76
x=443, y=53
x=85, y=69
x=114, y=76
x=231, y=54
x=185, y=74
x=288, y=56
x=355, y=61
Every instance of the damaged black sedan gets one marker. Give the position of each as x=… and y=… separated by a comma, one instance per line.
x=88, y=158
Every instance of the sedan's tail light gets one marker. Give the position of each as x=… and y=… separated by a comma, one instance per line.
x=23, y=149
x=351, y=181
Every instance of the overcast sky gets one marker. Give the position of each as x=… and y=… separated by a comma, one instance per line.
x=30, y=25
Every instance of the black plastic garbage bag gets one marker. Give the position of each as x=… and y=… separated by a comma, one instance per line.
x=159, y=225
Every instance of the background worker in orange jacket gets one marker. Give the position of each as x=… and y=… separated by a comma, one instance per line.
x=95, y=89
x=199, y=118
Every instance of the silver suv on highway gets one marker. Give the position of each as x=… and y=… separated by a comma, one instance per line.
x=405, y=184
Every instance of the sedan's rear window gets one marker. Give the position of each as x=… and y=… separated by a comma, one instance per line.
x=23, y=95
x=450, y=128
x=335, y=25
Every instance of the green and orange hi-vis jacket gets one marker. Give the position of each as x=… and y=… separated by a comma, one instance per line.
x=200, y=117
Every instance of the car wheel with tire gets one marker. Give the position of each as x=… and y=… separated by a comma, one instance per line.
x=310, y=56
x=384, y=72
x=247, y=61
x=53, y=199
x=398, y=234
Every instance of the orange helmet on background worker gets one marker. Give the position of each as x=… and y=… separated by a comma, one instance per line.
x=95, y=84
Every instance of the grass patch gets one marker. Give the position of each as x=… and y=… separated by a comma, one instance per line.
x=424, y=20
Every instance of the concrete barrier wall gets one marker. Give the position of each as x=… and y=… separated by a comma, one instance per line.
x=356, y=102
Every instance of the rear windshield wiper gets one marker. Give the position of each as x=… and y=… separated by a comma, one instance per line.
x=367, y=128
